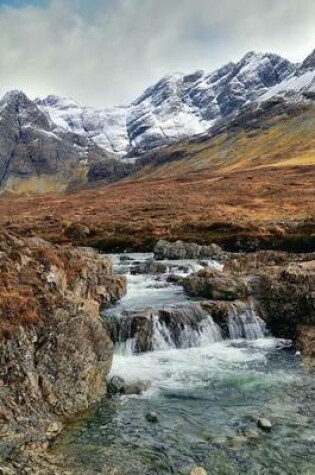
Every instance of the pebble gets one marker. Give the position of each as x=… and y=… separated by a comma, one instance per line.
x=198, y=471
x=264, y=424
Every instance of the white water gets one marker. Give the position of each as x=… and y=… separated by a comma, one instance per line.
x=246, y=324
x=189, y=325
x=173, y=369
x=206, y=334
x=198, y=351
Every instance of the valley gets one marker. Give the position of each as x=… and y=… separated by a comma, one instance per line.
x=157, y=277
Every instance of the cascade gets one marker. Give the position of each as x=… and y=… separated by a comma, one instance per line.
x=245, y=323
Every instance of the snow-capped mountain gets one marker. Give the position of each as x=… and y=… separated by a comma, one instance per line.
x=298, y=85
x=56, y=137
x=32, y=146
x=106, y=127
x=178, y=106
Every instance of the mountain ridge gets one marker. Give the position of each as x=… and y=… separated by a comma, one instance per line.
x=54, y=144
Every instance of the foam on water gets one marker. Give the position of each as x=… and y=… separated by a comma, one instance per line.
x=180, y=369
x=205, y=391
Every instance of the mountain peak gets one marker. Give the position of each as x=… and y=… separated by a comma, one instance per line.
x=15, y=95
x=57, y=101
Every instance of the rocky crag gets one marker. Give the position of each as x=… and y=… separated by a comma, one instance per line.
x=55, y=352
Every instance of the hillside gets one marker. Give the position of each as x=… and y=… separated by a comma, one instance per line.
x=55, y=145
x=253, y=178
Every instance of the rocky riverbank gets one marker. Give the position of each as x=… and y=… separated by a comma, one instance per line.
x=55, y=352
x=281, y=285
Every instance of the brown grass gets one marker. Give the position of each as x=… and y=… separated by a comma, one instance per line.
x=249, y=182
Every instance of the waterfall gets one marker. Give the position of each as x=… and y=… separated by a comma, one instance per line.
x=161, y=336
x=125, y=348
x=205, y=333
x=245, y=323
x=182, y=326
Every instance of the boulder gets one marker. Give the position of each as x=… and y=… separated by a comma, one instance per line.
x=77, y=231
x=211, y=284
x=55, y=351
x=116, y=385
x=286, y=298
x=182, y=250
x=137, y=388
x=149, y=267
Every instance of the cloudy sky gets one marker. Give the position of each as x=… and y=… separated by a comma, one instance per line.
x=105, y=52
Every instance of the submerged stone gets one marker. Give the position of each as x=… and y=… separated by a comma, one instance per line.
x=137, y=388
x=152, y=417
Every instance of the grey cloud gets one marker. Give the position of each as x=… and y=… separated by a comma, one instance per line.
x=109, y=52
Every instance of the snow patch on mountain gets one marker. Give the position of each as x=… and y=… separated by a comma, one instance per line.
x=292, y=87
x=106, y=127
x=176, y=107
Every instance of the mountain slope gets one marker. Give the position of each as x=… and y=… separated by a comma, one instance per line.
x=54, y=144
x=37, y=155
x=298, y=85
x=274, y=134
x=176, y=107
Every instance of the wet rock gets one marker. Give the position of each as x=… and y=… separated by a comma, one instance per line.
x=252, y=434
x=56, y=353
x=152, y=417
x=137, y=388
x=133, y=324
x=286, y=299
x=116, y=385
x=124, y=258
x=264, y=424
x=306, y=345
x=149, y=267
x=174, y=279
x=208, y=283
x=198, y=471
x=171, y=320
x=183, y=250
x=238, y=441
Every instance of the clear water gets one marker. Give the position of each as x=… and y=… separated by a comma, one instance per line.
x=207, y=400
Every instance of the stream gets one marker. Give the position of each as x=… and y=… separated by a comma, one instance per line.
x=207, y=385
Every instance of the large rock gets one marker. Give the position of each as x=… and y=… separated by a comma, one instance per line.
x=55, y=352
x=306, y=344
x=211, y=284
x=287, y=298
x=184, y=250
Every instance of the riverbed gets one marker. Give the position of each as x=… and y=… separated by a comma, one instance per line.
x=207, y=391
